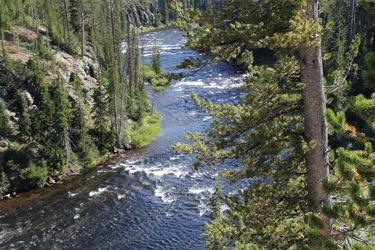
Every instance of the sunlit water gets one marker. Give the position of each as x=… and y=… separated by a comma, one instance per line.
x=147, y=199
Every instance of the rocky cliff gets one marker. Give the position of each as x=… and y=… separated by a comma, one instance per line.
x=19, y=44
x=143, y=14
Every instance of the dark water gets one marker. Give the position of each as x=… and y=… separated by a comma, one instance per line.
x=148, y=199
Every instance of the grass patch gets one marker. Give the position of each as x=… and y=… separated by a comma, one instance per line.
x=148, y=72
x=159, y=81
x=145, y=133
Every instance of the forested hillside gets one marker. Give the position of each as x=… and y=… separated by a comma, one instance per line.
x=68, y=95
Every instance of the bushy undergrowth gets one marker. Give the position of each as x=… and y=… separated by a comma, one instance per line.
x=147, y=131
x=159, y=81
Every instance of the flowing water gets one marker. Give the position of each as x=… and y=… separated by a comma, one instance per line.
x=147, y=199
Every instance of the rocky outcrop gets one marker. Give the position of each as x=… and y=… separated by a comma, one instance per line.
x=19, y=43
x=86, y=68
x=142, y=14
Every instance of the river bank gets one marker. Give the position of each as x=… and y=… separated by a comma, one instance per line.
x=150, y=198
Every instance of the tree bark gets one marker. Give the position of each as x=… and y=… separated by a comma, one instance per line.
x=315, y=119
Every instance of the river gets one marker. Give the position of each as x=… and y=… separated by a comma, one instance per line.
x=147, y=199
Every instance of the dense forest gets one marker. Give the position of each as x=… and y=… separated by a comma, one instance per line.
x=68, y=94
x=73, y=92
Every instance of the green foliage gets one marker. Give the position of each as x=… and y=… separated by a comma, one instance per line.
x=248, y=28
x=74, y=14
x=147, y=131
x=246, y=246
x=24, y=115
x=54, y=132
x=4, y=120
x=217, y=200
x=156, y=64
x=43, y=51
x=161, y=82
x=36, y=174
x=79, y=131
x=365, y=108
x=148, y=72
x=4, y=185
x=267, y=142
x=100, y=109
x=351, y=184
x=369, y=75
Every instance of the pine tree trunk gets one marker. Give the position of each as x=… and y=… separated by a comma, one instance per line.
x=315, y=119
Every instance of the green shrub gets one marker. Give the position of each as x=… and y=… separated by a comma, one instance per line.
x=36, y=175
x=161, y=82
x=4, y=184
x=147, y=131
x=148, y=72
x=4, y=120
x=44, y=52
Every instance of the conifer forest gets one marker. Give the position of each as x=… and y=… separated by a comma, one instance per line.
x=187, y=124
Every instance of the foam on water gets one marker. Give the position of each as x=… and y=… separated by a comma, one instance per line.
x=120, y=196
x=164, y=194
x=98, y=192
x=177, y=170
x=203, y=207
x=200, y=190
x=70, y=194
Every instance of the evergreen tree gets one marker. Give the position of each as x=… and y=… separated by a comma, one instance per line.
x=4, y=120
x=271, y=142
x=60, y=142
x=24, y=115
x=75, y=16
x=352, y=187
x=156, y=64
x=369, y=74
x=81, y=138
x=165, y=11
x=100, y=111
x=42, y=120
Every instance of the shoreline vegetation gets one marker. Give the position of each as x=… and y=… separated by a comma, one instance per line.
x=66, y=102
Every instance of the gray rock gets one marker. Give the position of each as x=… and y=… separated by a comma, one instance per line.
x=33, y=108
x=29, y=98
x=50, y=180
